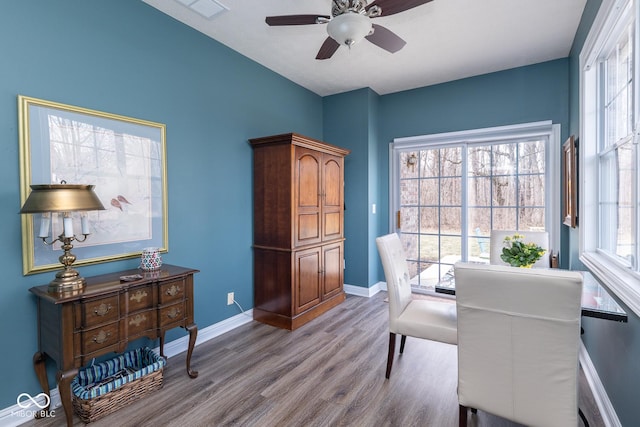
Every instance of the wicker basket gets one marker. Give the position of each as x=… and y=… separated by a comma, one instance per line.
x=145, y=375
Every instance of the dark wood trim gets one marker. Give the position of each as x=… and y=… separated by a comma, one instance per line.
x=300, y=140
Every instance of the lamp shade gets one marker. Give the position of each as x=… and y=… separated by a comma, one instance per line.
x=349, y=28
x=61, y=198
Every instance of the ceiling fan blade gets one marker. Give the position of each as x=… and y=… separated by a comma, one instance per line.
x=386, y=39
x=327, y=49
x=390, y=7
x=294, y=19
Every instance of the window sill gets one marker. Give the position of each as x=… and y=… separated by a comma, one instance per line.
x=624, y=284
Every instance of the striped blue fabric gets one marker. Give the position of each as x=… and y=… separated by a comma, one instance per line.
x=100, y=378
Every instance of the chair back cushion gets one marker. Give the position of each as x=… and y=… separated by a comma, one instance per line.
x=540, y=238
x=396, y=272
x=518, y=342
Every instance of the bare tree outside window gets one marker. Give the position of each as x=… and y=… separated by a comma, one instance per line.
x=505, y=189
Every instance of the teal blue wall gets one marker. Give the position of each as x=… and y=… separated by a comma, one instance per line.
x=376, y=180
x=614, y=348
x=125, y=57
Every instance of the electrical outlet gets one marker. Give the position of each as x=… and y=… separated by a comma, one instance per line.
x=230, y=298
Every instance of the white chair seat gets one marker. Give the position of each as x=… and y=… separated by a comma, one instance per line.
x=432, y=320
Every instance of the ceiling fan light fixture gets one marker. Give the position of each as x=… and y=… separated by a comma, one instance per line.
x=349, y=28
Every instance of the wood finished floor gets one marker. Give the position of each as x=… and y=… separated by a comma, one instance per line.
x=329, y=372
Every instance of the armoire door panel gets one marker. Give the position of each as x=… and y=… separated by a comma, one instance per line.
x=308, y=279
x=309, y=188
x=332, y=268
x=332, y=225
x=308, y=228
x=332, y=181
x=308, y=197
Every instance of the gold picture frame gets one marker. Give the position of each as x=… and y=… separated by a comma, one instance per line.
x=570, y=183
x=124, y=157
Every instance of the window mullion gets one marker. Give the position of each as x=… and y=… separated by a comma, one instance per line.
x=635, y=95
x=464, y=227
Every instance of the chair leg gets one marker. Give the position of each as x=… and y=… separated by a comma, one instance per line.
x=462, y=417
x=402, y=341
x=584, y=419
x=392, y=349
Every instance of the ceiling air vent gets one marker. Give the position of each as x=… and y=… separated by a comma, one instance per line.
x=206, y=8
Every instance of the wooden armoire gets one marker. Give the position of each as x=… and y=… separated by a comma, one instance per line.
x=298, y=234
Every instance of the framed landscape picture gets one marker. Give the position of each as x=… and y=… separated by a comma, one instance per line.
x=125, y=158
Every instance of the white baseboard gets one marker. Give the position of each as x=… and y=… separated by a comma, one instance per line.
x=182, y=344
x=607, y=411
x=16, y=415
x=365, y=292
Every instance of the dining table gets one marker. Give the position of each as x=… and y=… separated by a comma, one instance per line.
x=596, y=300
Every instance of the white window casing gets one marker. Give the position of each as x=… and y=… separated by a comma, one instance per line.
x=621, y=278
x=543, y=130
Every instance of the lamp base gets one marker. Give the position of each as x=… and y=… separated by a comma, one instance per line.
x=67, y=280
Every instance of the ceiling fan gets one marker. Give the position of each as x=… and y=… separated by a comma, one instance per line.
x=350, y=22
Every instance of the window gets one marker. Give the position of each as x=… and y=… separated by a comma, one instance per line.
x=609, y=211
x=450, y=190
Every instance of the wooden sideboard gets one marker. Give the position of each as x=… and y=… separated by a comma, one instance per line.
x=105, y=316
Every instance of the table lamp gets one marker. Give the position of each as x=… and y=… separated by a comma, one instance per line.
x=64, y=198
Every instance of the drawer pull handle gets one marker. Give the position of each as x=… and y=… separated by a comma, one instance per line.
x=138, y=319
x=173, y=291
x=102, y=309
x=138, y=296
x=101, y=337
x=173, y=313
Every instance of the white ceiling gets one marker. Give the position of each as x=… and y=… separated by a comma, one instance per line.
x=446, y=40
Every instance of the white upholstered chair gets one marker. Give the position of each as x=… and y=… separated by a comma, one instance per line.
x=428, y=319
x=518, y=343
x=540, y=238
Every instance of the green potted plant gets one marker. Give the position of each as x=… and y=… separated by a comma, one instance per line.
x=517, y=253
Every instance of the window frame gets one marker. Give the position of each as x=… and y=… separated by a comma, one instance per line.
x=542, y=129
x=621, y=280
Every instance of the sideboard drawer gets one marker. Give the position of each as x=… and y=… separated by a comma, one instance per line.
x=141, y=322
x=171, y=291
x=98, y=338
x=174, y=313
x=98, y=311
x=139, y=298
